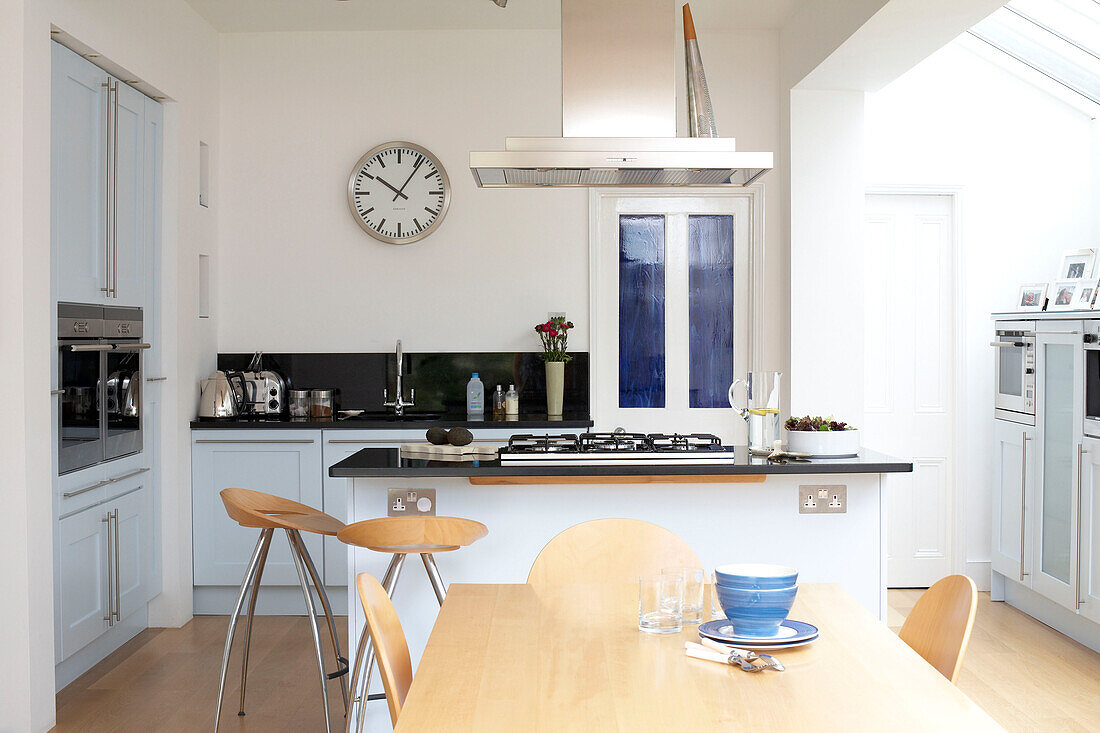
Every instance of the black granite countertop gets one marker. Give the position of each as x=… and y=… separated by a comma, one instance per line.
x=380, y=421
x=388, y=463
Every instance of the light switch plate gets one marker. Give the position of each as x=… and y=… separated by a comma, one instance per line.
x=410, y=503
x=823, y=499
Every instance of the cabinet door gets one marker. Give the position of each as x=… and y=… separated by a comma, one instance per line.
x=78, y=158
x=134, y=545
x=128, y=255
x=1013, y=481
x=82, y=564
x=286, y=463
x=1059, y=365
x=1089, y=546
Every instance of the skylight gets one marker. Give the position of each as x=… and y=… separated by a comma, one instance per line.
x=1058, y=41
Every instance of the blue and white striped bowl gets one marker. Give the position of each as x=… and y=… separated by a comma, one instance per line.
x=756, y=612
x=755, y=575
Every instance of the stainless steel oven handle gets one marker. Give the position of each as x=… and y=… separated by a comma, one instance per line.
x=1056, y=333
x=78, y=492
x=91, y=347
x=131, y=347
x=1023, y=500
x=1007, y=344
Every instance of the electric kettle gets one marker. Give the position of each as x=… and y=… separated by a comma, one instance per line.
x=221, y=396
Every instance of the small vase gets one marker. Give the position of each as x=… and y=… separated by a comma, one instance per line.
x=555, y=387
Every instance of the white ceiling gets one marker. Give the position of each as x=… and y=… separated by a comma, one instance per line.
x=234, y=16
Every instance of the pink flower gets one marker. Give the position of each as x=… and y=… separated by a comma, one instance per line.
x=553, y=332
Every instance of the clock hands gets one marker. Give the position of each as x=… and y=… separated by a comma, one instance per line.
x=382, y=180
x=399, y=193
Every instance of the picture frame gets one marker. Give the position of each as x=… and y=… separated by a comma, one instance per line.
x=1032, y=297
x=1063, y=294
x=1086, y=294
x=1077, y=263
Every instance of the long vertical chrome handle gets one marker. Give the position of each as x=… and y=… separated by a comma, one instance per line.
x=1023, y=500
x=114, y=199
x=118, y=592
x=1077, y=572
x=110, y=617
x=107, y=189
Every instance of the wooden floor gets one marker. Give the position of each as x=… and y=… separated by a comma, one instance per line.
x=1026, y=675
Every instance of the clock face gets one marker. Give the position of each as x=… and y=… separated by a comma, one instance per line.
x=399, y=192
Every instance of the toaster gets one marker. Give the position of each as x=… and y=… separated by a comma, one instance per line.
x=265, y=393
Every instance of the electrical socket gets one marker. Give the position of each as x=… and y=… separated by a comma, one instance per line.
x=832, y=499
x=410, y=503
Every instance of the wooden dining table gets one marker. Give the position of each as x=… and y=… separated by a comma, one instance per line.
x=571, y=658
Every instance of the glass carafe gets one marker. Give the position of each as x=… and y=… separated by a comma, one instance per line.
x=758, y=397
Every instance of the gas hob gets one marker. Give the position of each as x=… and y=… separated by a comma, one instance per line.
x=615, y=449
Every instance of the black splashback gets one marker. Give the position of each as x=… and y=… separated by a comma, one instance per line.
x=439, y=378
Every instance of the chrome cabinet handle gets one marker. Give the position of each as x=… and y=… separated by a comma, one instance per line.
x=57, y=391
x=110, y=617
x=125, y=476
x=1077, y=572
x=107, y=188
x=156, y=379
x=1023, y=500
x=256, y=442
x=1006, y=344
x=114, y=197
x=78, y=492
x=118, y=591
x=360, y=442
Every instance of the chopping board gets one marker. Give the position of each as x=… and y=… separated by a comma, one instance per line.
x=432, y=452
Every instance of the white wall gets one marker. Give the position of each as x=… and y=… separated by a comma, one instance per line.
x=295, y=273
x=1028, y=193
x=167, y=44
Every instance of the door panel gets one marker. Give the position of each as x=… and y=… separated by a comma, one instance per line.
x=130, y=237
x=82, y=606
x=1090, y=531
x=1013, y=484
x=909, y=403
x=135, y=547
x=78, y=155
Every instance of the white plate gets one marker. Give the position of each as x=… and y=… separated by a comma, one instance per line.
x=791, y=633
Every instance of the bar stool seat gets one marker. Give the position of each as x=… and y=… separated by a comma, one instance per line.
x=267, y=513
x=401, y=537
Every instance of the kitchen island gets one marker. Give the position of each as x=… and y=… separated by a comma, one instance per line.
x=747, y=510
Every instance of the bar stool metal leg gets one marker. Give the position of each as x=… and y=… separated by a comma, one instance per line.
x=248, y=575
x=266, y=535
x=365, y=651
x=341, y=661
x=433, y=575
x=313, y=626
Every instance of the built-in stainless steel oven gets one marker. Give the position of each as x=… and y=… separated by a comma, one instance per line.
x=1015, y=376
x=1092, y=378
x=99, y=367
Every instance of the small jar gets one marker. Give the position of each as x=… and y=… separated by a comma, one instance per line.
x=299, y=401
x=320, y=404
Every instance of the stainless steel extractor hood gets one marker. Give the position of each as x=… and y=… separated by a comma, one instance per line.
x=618, y=112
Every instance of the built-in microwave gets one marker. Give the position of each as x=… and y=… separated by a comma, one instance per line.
x=1015, y=371
x=1092, y=378
x=99, y=352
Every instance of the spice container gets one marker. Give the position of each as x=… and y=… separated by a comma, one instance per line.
x=299, y=401
x=320, y=404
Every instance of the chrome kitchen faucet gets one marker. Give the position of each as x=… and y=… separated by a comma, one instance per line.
x=399, y=404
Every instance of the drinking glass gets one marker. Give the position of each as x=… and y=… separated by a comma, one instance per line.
x=661, y=603
x=715, y=607
x=693, y=592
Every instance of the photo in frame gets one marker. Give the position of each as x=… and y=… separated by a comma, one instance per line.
x=1086, y=295
x=1063, y=294
x=1032, y=298
x=1077, y=263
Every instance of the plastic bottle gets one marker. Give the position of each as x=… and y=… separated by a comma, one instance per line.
x=498, y=404
x=511, y=402
x=475, y=396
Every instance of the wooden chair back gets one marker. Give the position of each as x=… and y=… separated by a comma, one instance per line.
x=938, y=627
x=413, y=534
x=390, y=648
x=266, y=511
x=610, y=551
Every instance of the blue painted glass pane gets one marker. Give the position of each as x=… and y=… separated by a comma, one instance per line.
x=642, y=311
x=710, y=310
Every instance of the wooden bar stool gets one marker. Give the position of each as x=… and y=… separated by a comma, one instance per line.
x=268, y=513
x=402, y=536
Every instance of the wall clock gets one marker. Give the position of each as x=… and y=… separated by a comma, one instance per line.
x=399, y=192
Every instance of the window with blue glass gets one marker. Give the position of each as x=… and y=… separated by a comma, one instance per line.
x=710, y=309
x=642, y=310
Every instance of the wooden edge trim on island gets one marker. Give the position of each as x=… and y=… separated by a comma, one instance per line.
x=747, y=478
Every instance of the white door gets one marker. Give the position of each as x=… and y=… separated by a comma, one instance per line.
x=135, y=547
x=83, y=603
x=1013, y=493
x=1089, y=542
x=128, y=255
x=909, y=311
x=671, y=287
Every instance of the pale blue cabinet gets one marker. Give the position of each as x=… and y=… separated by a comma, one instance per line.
x=105, y=175
x=286, y=463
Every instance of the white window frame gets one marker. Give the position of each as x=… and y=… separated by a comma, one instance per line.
x=604, y=371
